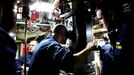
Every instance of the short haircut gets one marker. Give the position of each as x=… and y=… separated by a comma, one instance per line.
x=58, y=28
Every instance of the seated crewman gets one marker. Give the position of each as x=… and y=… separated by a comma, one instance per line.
x=21, y=60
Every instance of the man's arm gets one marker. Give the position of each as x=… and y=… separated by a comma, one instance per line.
x=81, y=57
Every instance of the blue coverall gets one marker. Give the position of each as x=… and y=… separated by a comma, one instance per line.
x=50, y=57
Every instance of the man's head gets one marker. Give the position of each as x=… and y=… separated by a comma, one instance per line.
x=109, y=13
x=7, y=19
x=101, y=18
x=60, y=33
x=32, y=45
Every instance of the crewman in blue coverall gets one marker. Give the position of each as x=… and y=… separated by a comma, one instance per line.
x=21, y=61
x=8, y=46
x=117, y=60
x=50, y=56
